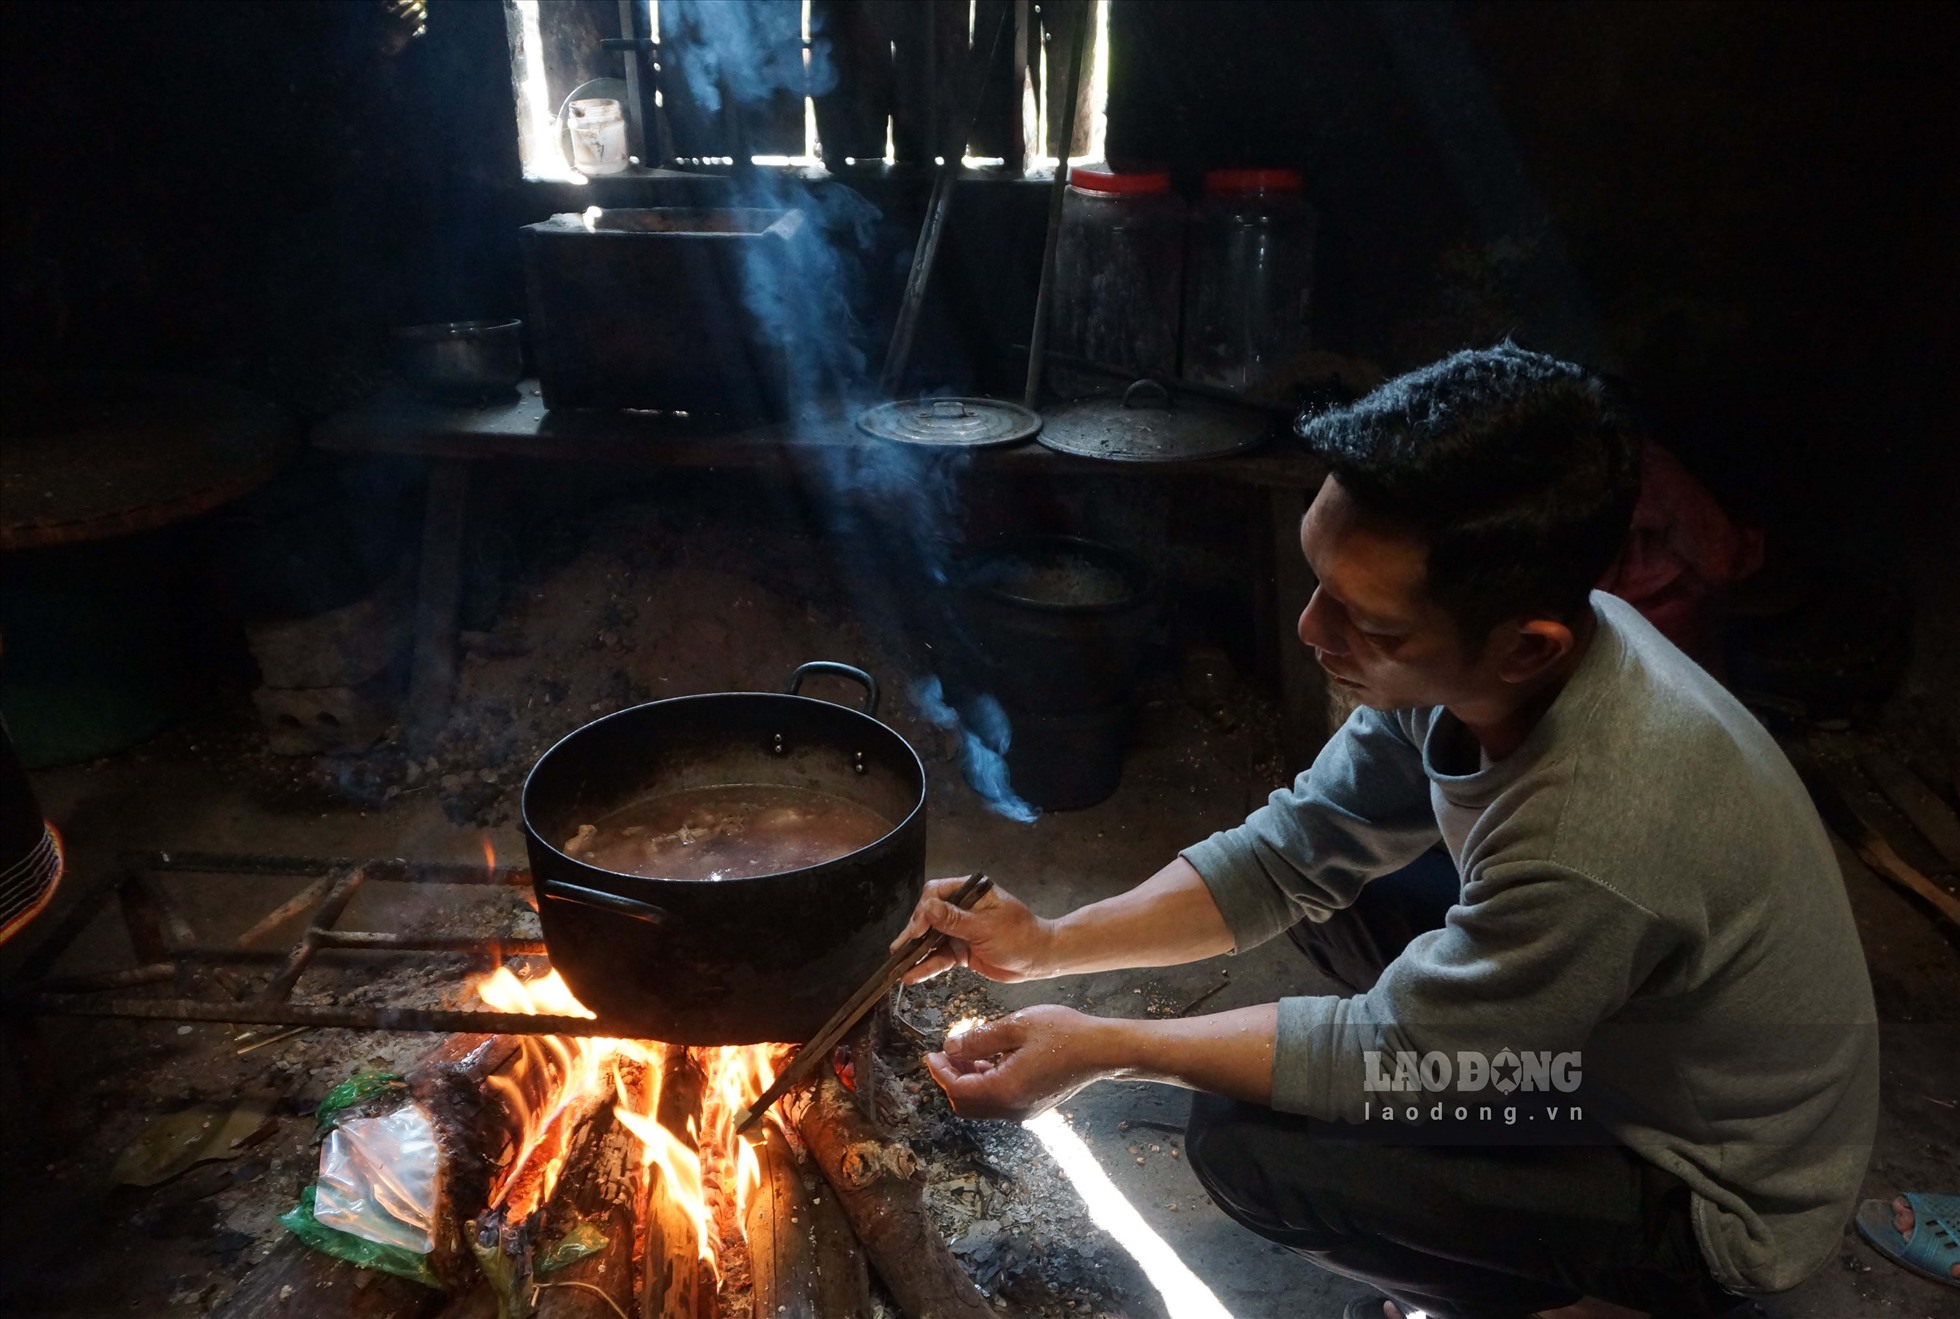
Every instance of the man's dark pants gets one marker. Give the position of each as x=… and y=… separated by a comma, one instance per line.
x=1484, y=1231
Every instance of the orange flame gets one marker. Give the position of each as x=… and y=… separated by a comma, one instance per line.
x=711, y=1177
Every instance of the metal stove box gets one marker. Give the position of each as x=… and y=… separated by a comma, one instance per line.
x=646, y=308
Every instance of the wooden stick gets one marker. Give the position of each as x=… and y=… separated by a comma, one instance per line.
x=868, y=995
x=300, y=902
x=1837, y=798
x=1933, y=818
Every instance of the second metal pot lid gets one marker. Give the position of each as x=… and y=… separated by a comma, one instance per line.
x=950, y=423
x=1146, y=425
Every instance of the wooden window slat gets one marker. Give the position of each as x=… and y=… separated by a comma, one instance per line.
x=748, y=57
x=571, y=31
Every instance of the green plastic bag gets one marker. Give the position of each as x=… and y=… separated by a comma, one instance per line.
x=356, y=1250
x=584, y=1238
x=356, y=1089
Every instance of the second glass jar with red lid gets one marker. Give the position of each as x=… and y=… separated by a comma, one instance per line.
x=1119, y=262
x=1248, y=277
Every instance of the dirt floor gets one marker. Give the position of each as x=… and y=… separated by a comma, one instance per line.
x=629, y=612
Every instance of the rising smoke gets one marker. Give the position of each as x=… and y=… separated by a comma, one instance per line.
x=810, y=298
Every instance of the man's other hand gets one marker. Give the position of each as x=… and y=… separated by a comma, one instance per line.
x=1020, y=1065
x=997, y=937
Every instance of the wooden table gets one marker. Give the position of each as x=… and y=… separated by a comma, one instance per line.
x=454, y=438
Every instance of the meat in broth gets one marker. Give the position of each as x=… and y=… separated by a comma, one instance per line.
x=729, y=832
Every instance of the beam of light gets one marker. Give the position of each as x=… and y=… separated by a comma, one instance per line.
x=1185, y=1295
x=540, y=152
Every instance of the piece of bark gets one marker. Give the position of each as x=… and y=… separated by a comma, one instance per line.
x=601, y=1189
x=297, y=1282
x=782, y=1234
x=877, y=1185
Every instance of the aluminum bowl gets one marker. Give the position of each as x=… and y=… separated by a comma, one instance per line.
x=462, y=359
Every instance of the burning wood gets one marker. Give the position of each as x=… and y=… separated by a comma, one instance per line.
x=596, y=1210
x=679, y=1105
x=584, y=1177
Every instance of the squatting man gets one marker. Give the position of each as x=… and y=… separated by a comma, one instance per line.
x=1545, y=840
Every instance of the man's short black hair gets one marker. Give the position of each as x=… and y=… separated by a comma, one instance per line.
x=1519, y=470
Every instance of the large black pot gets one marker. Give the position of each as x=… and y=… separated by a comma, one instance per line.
x=733, y=961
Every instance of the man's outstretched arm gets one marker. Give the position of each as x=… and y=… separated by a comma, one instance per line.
x=1170, y=918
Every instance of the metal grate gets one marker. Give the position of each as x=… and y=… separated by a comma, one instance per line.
x=199, y=981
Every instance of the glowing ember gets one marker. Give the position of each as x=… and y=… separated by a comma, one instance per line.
x=708, y=1171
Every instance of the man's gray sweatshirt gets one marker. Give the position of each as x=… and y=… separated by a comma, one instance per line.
x=1645, y=883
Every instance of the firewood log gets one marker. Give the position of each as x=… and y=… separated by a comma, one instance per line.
x=600, y=1191
x=843, y=1276
x=781, y=1229
x=672, y=1281
x=877, y=1185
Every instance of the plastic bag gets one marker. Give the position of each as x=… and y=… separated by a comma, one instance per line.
x=356, y=1250
x=378, y=1179
x=354, y=1090
x=584, y=1238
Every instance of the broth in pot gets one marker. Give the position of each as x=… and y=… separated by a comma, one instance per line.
x=734, y=831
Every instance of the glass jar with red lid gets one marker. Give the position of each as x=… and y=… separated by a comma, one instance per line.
x=1248, y=279
x=1119, y=268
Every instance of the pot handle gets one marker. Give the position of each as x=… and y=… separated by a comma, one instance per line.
x=842, y=671
x=592, y=897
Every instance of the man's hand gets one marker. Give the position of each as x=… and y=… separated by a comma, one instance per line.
x=997, y=937
x=1021, y=1065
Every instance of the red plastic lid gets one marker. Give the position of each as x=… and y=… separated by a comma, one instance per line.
x=1090, y=179
x=1254, y=180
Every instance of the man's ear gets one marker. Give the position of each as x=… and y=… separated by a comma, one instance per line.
x=1537, y=646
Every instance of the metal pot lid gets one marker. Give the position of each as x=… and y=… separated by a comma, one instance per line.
x=950, y=423
x=1146, y=425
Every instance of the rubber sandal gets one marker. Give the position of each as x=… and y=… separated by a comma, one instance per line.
x=1935, y=1245
x=1368, y=1307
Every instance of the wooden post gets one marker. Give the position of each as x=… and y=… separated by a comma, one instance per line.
x=432, y=679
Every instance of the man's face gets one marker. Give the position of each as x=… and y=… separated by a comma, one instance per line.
x=1371, y=623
